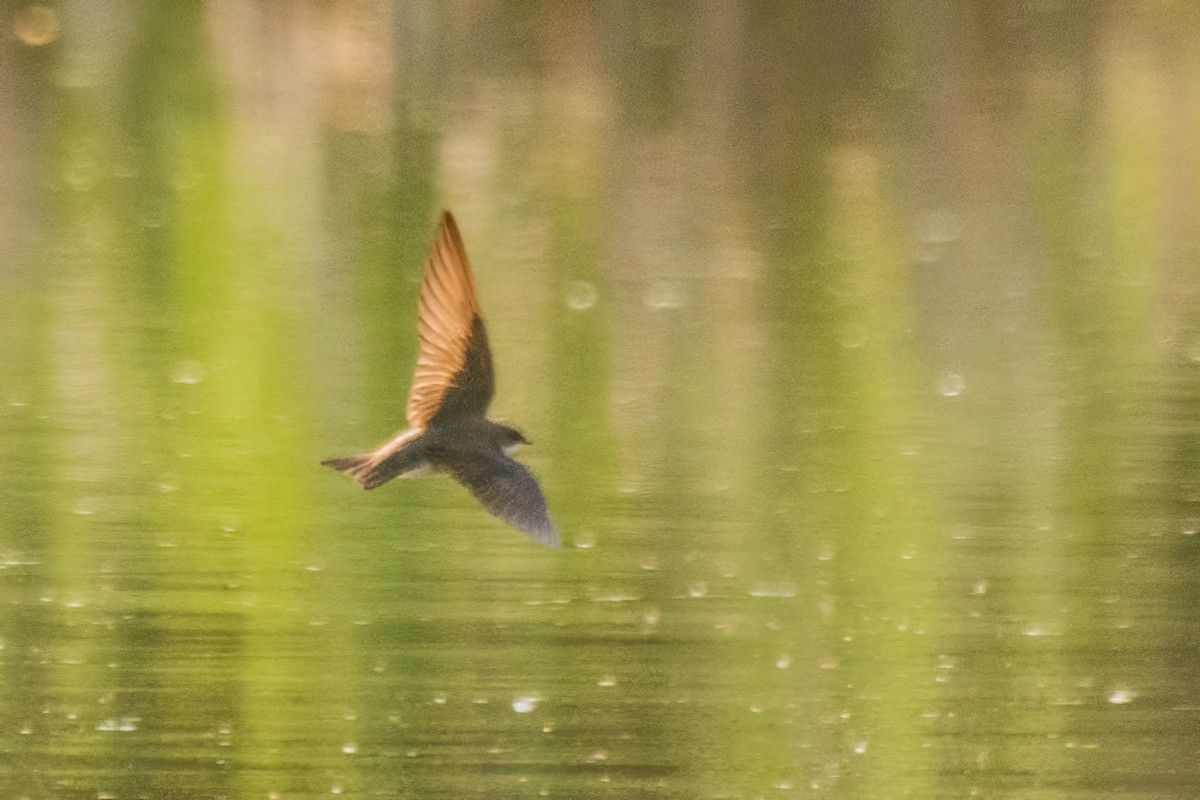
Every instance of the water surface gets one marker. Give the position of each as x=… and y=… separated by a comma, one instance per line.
x=859, y=351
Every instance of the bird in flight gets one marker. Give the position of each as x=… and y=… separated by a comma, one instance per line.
x=451, y=389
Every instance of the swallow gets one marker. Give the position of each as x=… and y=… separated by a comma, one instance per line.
x=448, y=430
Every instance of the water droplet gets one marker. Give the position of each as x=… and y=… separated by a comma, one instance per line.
x=1121, y=696
x=188, y=372
x=123, y=724
x=662, y=295
x=962, y=532
x=615, y=597
x=608, y=681
x=524, y=704
x=581, y=295
x=585, y=540
x=951, y=384
x=783, y=661
x=939, y=227
x=853, y=337
x=36, y=25
x=350, y=748
x=773, y=590
x=860, y=747
x=698, y=589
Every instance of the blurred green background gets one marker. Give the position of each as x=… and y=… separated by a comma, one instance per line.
x=859, y=345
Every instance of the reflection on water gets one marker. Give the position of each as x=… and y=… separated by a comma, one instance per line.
x=859, y=352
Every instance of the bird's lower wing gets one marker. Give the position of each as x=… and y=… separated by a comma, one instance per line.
x=509, y=491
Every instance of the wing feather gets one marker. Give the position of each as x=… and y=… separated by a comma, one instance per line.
x=454, y=363
x=509, y=491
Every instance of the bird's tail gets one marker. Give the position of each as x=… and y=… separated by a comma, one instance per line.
x=366, y=468
x=374, y=469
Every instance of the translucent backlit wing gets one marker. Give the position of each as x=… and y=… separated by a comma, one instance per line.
x=454, y=364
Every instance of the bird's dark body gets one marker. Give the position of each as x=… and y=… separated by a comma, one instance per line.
x=447, y=447
x=451, y=391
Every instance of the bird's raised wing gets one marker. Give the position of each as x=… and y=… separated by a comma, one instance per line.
x=509, y=491
x=454, y=364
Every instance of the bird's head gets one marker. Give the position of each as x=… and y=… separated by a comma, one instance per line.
x=510, y=439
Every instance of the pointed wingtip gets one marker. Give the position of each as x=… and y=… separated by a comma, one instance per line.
x=547, y=536
x=538, y=527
